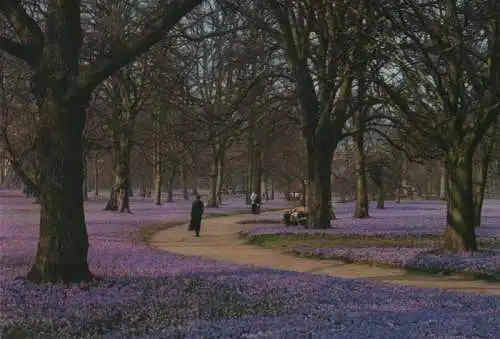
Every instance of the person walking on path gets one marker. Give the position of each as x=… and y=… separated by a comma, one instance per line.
x=196, y=215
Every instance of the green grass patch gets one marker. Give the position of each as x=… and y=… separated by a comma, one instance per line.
x=288, y=242
x=284, y=241
x=260, y=222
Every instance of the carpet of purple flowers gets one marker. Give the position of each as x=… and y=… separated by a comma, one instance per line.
x=150, y=294
x=417, y=218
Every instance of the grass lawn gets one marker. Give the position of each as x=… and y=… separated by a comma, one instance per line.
x=296, y=243
x=289, y=241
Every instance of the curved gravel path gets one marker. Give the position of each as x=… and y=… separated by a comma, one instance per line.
x=220, y=241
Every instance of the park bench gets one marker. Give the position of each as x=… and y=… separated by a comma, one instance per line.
x=295, y=216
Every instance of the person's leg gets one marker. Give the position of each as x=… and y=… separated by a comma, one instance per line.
x=197, y=227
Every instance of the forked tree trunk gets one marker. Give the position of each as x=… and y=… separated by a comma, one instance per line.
x=460, y=233
x=63, y=245
x=362, y=204
x=119, y=197
x=319, y=164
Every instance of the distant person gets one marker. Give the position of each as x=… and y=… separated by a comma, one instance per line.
x=253, y=197
x=257, y=203
x=196, y=215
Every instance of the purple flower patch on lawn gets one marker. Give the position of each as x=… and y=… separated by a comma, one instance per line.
x=151, y=294
x=487, y=263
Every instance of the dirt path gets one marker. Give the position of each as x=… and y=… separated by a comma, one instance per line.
x=220, y=241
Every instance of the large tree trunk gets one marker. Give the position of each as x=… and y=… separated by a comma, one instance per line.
x=362, y=204
x=460, y=233
x=319, y=164
x=63, y=244
x=119, y=197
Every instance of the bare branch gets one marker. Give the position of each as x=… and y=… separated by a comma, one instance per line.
x=123, y=55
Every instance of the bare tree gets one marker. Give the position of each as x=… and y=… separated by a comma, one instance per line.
x=51, y=45
x=447, y=54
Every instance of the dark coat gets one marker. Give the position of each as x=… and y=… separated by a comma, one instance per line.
x=197, y=209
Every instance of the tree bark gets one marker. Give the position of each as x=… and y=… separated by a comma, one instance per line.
x=250, y=172
x=480, y=188
x=214, y=174
x=85, y=179
x=257, y=172
x=381, y=195
x=220, y=175
x=195, y=185
x=63, y=244
x=184, y=179
x=303, y=197
x=460, y=231
x=319, y=164
x=63, y=94
x=158, y=178
x=158, y=159
x=362, y=204
x=122, y=147
x=264, y=190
